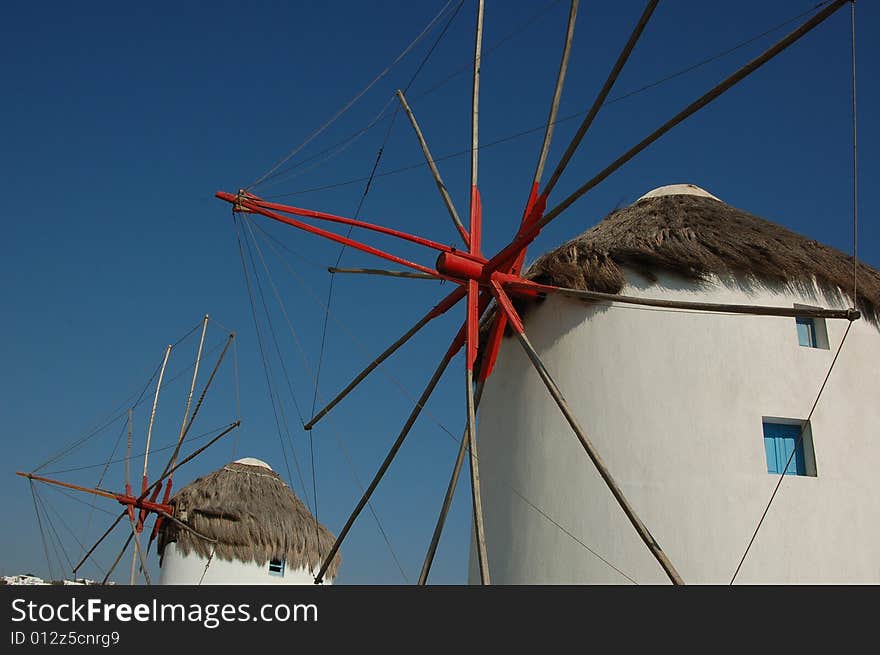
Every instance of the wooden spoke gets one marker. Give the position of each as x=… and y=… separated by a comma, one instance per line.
x=118, y=557
x=153, y=412
x=441, y=308
x=643, y=532
x=170, y=466
x=758, y=310
x=603, y=94
x=450, y=492
x=98, y=543
x=529, y=235
x=695, y=106
x=417, y=409
x=441, y=187
x=476, y=496
x=377, y=271
x=557, y=94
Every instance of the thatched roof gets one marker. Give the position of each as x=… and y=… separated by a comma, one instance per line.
x=694, y=235
x=253, y=515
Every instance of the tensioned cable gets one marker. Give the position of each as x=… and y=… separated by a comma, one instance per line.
x=81, y=442
x=568, y=117
x=237, y=387
x=54, y=532
x=262, y=350
x=406, y=392
x=98, y=484
x=42, y=532
x=349, y=332
x=381, y=117
x=101, y=569
x=108, y=422
x=80, y=500
x=342, y=251
x=266, y=367
x=345, y=143
x=549, y=518
x=357, y=97
x=855, y=159
x=791, y=456
x=46, y=508
x=334, y=431
x=197, y=437
x=281, y=361
x=287, y=377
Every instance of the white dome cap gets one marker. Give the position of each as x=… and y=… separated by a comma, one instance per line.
x=679, y=190
x=253, y=461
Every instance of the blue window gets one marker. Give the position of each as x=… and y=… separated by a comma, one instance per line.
x=806, y=329
x=780, y=440
x=276, y=567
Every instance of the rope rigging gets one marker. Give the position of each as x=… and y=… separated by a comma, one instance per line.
x=855, y=200
x=266, y=369
x=791, y=456
x=855, y=158
x=524, y=133
x=310, y=370
x=121, y=410
x=357, y=97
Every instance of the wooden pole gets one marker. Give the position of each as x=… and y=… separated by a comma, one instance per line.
x=153, y=411
x=698, y=104
x=515, y=322
x=603, y=94
x=472, y=322
x=527, y=236
x=118, y=557
x=476, y=496
x=98, y=542
x=420, y=403
x=643, y=532
x=377, y=271
x=138, y=553
x=188, y=458
x=450, y=493
x=128, y=455
x=441, y=187
x=439, y=309
x=192, y=388
x=170, y=465
x=474, y=234
x=557, y=93
x=757, y=310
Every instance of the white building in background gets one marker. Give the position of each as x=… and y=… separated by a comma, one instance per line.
x=695, y=414
x=264, y=533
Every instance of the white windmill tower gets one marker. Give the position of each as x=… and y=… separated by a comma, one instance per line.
x=698, y=414
x=258, y=531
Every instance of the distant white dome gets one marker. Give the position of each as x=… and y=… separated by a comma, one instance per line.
x=253, y=461
x=679, y=190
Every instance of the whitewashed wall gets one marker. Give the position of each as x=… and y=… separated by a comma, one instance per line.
x=179, y=569
x=674, y=403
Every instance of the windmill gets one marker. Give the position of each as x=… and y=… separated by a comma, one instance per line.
x=149, y=498
x=490, y=286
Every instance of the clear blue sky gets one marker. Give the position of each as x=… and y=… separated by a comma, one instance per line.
x=120, y=121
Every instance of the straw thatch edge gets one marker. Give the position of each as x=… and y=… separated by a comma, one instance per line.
x=698, y=238
x=253, y=515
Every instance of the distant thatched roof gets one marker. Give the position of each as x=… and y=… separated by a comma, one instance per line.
x=697, y=236
x=253, y=515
